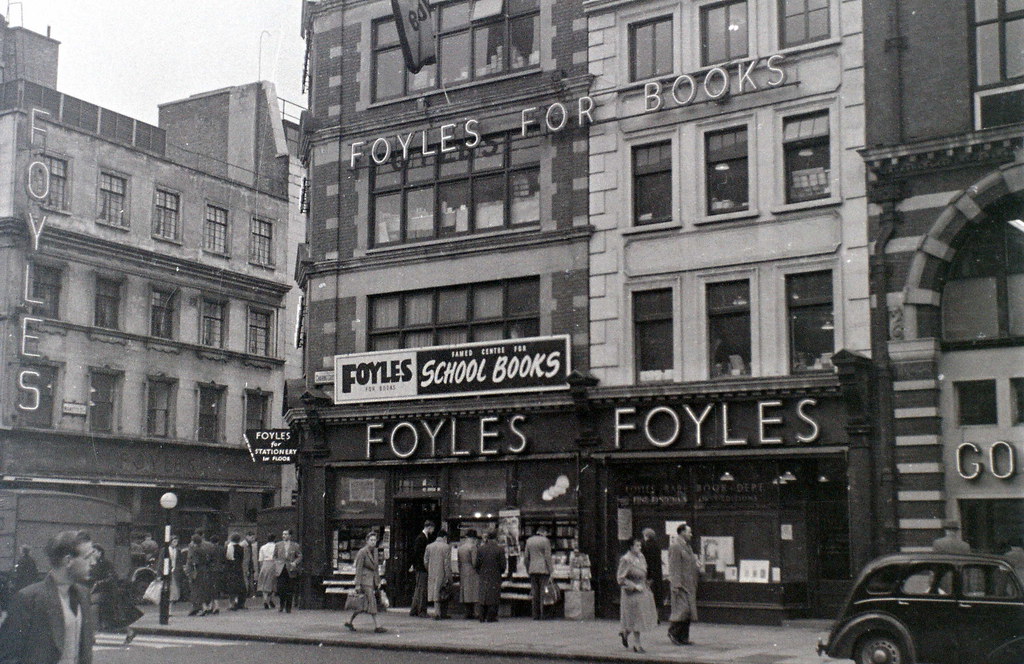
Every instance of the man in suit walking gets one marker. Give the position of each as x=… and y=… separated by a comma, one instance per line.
x=682, y=575
x=419, y=568
x=51, y=622
x=537, y=559
x=288, y=556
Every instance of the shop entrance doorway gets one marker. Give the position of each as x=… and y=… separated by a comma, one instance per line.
x=409, y=517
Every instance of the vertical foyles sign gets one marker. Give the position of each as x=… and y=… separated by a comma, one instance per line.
x=415, y=24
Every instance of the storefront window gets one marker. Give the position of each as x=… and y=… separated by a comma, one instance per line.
x=479, y=491
x=548, y=487
x=728, y=305
x=359, y=494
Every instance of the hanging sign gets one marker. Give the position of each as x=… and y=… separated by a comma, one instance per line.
x=415, y=24
x=271, y=445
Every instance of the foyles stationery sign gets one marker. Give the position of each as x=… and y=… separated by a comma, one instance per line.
x=271, y=445
x=514, y=365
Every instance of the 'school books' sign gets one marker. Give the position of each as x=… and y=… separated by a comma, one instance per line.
x=513, y=365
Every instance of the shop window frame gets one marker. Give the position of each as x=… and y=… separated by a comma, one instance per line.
x=107, y=300
x=113, y=190
x=103, y=415
x=471, y=323
x=645, y=320
x=749, y=207
x=169, y=410
x=166, y=210
x=47, y=286
x=660, y=171
x=791, y=155
x=735, y=310
x=818, y=303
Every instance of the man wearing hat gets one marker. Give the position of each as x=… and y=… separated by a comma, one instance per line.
x=951, y=542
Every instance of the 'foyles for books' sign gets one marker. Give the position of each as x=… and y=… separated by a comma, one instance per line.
x=514, y=365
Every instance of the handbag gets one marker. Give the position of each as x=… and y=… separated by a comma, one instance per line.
x=355, y=601
x=551, y=592
x=445, y=592
x=382, y=599
x=152, y=594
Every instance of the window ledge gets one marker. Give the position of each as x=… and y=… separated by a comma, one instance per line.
x=207, y=252
x=514, y=230
x=728, y=216
x=266, y=266
x=797, y=49
x=430, y=92
x=124, y=228
x=980, y=344
x=807, y=205
x=652, y=228
x=167, y=240
x=64, y=212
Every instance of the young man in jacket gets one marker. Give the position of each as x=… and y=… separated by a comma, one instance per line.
x=539, y=566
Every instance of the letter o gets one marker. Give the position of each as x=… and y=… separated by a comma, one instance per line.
x=693, y=89
x=961, y=469
x=415, y=440
x=32, y=168
x=1011, y=460
x=547, y=117
x=387, y=151
x=724, y=75
x=675, y=422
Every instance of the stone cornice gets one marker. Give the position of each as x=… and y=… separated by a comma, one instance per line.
x=73, y=246
x=988, y=146
x=741, y=388
x=435, y=251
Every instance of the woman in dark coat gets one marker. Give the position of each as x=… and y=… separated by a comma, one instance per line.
x=199, y=575
x=112, y=596
x=490, y=565
x=234, y=573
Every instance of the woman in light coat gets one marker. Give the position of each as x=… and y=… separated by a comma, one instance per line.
x=266, y=582
x=637, y=611
x=367, y=581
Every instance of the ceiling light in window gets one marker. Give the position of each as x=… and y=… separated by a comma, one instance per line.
x=721, y=167
x=787, y=476
x=733, y=27
x=727, y=477
x=805, y=152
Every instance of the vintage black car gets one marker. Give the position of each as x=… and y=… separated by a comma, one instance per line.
x=931, y=608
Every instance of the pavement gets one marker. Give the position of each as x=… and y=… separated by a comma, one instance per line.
x=592, y=640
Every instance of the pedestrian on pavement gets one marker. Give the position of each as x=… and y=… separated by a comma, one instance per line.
x=367, y=581
x=539, y=565
x=266, y=583
x=199, y=571
x=419, y=549
x=216, y=554
x=469, y=581
x=150, y=548
x=682, y=576
x=234, y=573
x=51, y=621
x=652, y=555
x=25, y=571
x=249, y=568
x=289, y=556
x=637, y=612
x=179, y=561
x=490, y=566
x=951, y=541
x=1015, y=556
x=438, y=561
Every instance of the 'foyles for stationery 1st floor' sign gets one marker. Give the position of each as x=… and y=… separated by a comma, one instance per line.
x=513, y=365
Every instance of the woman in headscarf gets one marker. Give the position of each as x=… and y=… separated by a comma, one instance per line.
x=637, y=611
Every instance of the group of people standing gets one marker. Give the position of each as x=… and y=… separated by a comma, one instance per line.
x=639, y=576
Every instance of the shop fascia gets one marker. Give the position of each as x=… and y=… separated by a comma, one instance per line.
x=37, y=183
x=686, y=89
x=774, y=423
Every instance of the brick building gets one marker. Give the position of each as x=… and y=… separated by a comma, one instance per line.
x=946, y=174
x=436, y=219
x=144, y=326
x=729, y=294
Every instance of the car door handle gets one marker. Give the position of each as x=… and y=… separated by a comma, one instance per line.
x=902, y=603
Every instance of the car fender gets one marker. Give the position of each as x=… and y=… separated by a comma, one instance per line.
x=1008, y=653
x=841, y=646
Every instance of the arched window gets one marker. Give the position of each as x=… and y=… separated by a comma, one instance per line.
x=983, y=298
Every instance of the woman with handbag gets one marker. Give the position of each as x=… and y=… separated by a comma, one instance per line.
x=364, y=597
x=637, y=611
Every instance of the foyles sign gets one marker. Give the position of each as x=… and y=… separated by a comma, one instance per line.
x=516, y=365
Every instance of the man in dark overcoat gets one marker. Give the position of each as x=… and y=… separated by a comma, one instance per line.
x=651, y=551
x=490, y=566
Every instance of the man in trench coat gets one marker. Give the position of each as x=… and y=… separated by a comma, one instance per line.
x=438, y=559
x=682, y=575
x=469, y=582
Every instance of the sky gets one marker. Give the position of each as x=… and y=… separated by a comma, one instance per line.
x=130, y=55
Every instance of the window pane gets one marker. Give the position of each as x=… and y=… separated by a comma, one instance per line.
x=385, y=312
x=158, y=409
x=388, y=218
x=452, y=336
x=419, y=308
x=419, y=168
x=452, y=305
x=523, y=298
x=387, y=33
x=385, y=342
x=488, y=332
x=490, y=153
x=663, y=47
x=817, y=23
x=525, y=150
x=388, y=74
x=1015, y=304
x=455, y=15
x=642, y=47
x=808, y=172
x=728, y=306
x=489, y=197
x=737, y=30
x=418, y=339
x=727, y=180
x=652, y=316
x=812, y=341
x=455, y=163
x=455, y=60
x=101, y=402
x=419, y=206
x=977, y=401
x=1017, y=394
x=987, y=53
x=982, y=254
x=1015, y=48
x=970, y=310
x=487, y=302
x=523, y=328
x=525, y=197
x=489, y=50
x=524, y=37
x=454, y=206
x=421, y=80
x=986, y=10
x=713, y=36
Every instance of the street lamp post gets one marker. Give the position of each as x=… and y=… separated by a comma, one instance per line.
x=168, y=501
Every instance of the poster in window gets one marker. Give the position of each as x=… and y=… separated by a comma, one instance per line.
x=508, y=531
x=755, y=571
x=717, y=551
x=361, y=491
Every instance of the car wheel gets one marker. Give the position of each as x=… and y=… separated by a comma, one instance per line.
x=880, y=649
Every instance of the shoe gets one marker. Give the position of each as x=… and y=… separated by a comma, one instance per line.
x=674, y=640
x=265, y=605
x=625, y=639
x=193, y=612
x=686, y=642
x=272, y=605
x=280, y=609
x=205, y=612
x=380, y=630
x=215, y=611
x=288, y=610
x=638, y=649
x=232, y=608
x=350, y=626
